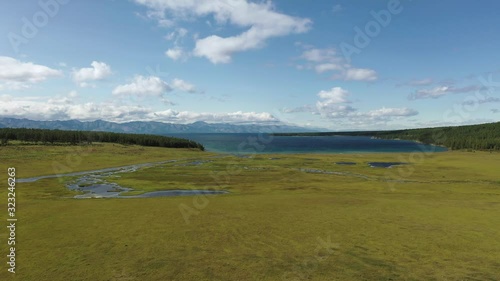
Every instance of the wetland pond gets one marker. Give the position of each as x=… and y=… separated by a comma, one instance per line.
x=95, y=184
x=98, y=183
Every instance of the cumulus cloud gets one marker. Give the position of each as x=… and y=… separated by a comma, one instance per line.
x=182, y=85
x=360, y=74
x=328, y=60
x=175, y=53
x=143, y=86
x=65, y=108
x=15, y=75
x=97, y=71
x=329, y=101
x=321, y=55
x=333, y=104
x=231, y=117
x=334, y=96
x=440, y=91
x=260, y=19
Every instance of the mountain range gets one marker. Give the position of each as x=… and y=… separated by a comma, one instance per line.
x=151, y=127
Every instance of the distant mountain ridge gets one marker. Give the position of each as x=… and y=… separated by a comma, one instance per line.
x=151, y=127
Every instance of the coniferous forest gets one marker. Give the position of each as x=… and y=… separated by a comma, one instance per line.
x=478, y=137
x=45, y=136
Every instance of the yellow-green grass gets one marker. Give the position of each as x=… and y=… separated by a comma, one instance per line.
x=39, y=160
x=439, y=221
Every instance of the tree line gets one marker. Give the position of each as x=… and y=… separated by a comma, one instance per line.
x=45, y=136
x=478, y=137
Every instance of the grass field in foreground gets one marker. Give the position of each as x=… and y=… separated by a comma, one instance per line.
x=288, y=217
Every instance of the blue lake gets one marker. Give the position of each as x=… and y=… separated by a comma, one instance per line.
x=264, y=143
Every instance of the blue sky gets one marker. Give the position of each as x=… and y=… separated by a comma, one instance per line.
x=340, y=65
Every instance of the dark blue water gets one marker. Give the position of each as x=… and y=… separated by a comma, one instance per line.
x=264, y=143
x=385, y=164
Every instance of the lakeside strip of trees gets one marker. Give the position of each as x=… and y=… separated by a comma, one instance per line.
x=478, y=137
x=45, y=136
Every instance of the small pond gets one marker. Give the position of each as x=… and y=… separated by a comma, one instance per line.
x=385, y=164
x=95, y=184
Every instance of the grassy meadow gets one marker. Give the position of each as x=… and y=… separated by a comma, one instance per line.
x=287, y=217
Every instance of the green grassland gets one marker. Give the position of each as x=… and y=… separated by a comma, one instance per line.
x=39, y=160
x=287, y=217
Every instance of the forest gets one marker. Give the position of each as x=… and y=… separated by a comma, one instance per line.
x=45, y=136
x=477, y=137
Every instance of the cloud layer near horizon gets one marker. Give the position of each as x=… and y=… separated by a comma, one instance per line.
x=65, y=108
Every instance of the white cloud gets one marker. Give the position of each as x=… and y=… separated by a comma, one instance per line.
x=231, y=117
x=391, y=112
x=320, y=68
x=360, y=74
x=220, y=50
x=260, y=19
x=98, y=71
x=38, y=108
x=175, y=53
x=65, y=109
x=321, y=55
x=143, y=86
x=182, y=85
x=440, y=91
x=334, y=96
x=333, y=105
x=348, y=115
x=431, y=93
x=15, y=74
x=336, y=111
x=328, y=60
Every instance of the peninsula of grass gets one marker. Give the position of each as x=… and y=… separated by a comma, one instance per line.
x=40, y=160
